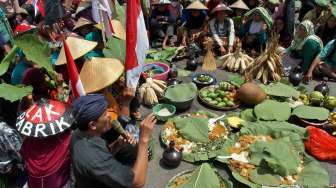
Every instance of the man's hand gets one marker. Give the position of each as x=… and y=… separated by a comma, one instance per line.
x=222, y=50
x=308, y=77
x=230, y=50
x=146, y=127
x=127, y=95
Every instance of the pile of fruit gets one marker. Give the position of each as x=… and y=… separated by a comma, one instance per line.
x=204, y=78
x=316, y=98
x=220, y=96
x=267, y=67
x=152, y=91
x=236, y=62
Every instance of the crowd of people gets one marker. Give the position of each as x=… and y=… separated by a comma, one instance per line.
x=91, y=153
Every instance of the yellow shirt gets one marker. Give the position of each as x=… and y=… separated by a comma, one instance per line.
x=113, y=107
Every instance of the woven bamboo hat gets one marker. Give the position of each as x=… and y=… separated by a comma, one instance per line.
x=161, y=2
x=239, y=5
x=22, y=11
x=78, y=48
x=82, y=22
x=221, y=7
x=118, y=29
x=99, y=73
x=197, y=5
x=82, y=6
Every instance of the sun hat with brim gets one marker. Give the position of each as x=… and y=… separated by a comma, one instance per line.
x=83, y=5
x=197, y=5
x=78, y=48
x=297, y=5
x=239, y=5
x=274, y=2
x=99, y=73
x=81, y=22
x=21, y=11
x=322, y=3
x=161, y=2
x=118, y=29
x=221, y=7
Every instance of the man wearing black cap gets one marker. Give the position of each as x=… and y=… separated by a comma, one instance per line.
x=93, y=164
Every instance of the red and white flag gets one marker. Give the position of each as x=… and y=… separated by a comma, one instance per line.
x=75, y=81
x=38, y=7
x=102, y=12
x=137, y=43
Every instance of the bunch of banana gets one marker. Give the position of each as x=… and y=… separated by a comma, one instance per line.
x=237, y=61
x=152, y=91
x=267, y=67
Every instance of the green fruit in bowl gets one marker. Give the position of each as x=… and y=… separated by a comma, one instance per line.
x=213, y=102
x=316, y=98
x=330, y=102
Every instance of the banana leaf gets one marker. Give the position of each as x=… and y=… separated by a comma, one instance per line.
x=115, y=48
x=277, y=156
x=280, y=90
x=193, y=129
x=248, y=115
x=162, y=55
x=313, y=175
x=236, y=80
x=263, y=176
x=203, y=177
x=35, y=50
x=275, y=129
x=280, y=156
x=4, y=65
x=270, y=110
x=14, y=93
x=311, y=113
x=181, y=92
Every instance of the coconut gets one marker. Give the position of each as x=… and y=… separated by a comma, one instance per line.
x=251, y=94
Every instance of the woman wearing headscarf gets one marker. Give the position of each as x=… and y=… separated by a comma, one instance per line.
x=280, y=28
x=253, y=33
x=304, y=47
x=324, y=63
x=222, y=29
x=327, y=31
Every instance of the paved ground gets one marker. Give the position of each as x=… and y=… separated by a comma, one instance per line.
x=158, y=175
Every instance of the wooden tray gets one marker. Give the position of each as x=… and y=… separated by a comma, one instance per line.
x=205, y=103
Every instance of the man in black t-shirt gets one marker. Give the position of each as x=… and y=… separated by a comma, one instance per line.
x=92, y=161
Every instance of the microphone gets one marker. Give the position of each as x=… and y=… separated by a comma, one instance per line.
x=116, y=125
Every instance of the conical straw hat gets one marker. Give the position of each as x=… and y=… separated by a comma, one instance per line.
x=221, y=7
x=197, y=5
x=78, y=48
x=22, y=11
x=118, y=29
x=239, y=5
x=99, y=73
x=82, y=6
x=161, y=2
x=82, y=22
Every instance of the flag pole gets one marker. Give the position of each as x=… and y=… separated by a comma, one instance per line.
x=103, y=26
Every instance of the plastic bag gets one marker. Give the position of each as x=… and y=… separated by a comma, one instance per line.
x=320, y=144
